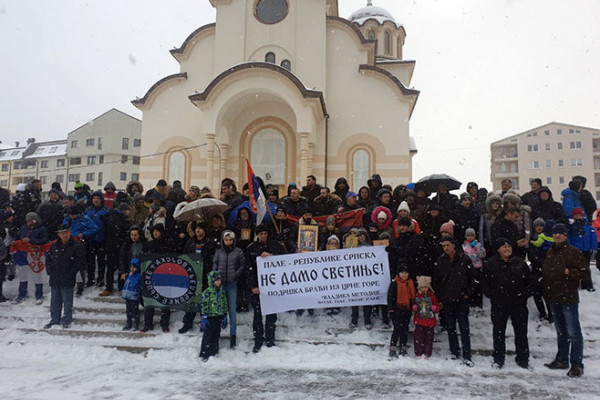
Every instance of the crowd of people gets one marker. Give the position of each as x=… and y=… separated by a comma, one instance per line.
x=445, y=253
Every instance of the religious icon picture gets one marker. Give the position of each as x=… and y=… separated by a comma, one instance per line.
x=308, y=238
x=383, y=242
x=424, y=310
x=245, y=234
x=351, y=242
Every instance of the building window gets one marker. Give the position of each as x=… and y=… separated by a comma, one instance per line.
x=534, y=133
x=571, y=130
x=575, y=146
x=597, y=180
x=60, y=179
x=360, y=167
x=549, y=180
x=271, y=11
x=90, y=176
x=388, y=43
x=73, y=177
x=99, y=143
x=270, y=58
x=123, y=159
x=123, y=176
x=4, y=183
x=74, y=144
x=137, y=142
x=559, y=146
x=533, y=165
x=44, y=179
x=177, y=163
x=371, y=35
x=559, y=131
x=44, y=164
x=101, y=159
x=287, y=64
x=91, y=160
x=547, y=133
x=532, y=147
x=60, y=163
x=135, y=177
x=561, y=180
x=4, y=167
x=561, y=163
x=548, y=163
x=597, y=195
x=576, y=162
x=100, y=174
x=125, y=144
x=90, y=142
x=547, y=146
x=75, y=161
x=135, y=160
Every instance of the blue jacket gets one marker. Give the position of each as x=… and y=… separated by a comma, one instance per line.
x=583, y=236
x=98, y=215
x=83, y=225
x=131, y=289
x=37, y=235
x=570, y=201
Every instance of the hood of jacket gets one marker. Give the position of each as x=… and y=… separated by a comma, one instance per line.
x=98, y=193
x=139, y=185
x=374, y=178
x=110, y=185
x=212, y=275
x=387, y=212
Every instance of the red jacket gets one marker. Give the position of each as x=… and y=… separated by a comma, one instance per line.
x=596, y=225
x=429, y=322
x=109, y=199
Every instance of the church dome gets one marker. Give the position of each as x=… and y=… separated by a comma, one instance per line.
x=379, y=14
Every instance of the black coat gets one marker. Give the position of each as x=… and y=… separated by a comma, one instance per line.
x=63, y=263
x=464, y=218
x=506, y=282
x=116, y=229
x=454, y=278
x=408, y=248
x=52, y=215
x=255, y=250
x=505, y=229
x=295, y=208
x=126, y=255
x=549, y=210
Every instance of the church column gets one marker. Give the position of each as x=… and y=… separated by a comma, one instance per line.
x=303, y=156
x=224, y=160
x=210, y=160
x=311, y=155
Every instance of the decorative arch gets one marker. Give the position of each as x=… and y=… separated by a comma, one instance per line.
x=351, y=167
x=187, y=164
x=270, y=58
x=247, y=137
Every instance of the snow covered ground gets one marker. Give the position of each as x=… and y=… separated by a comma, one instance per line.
x=316, y=357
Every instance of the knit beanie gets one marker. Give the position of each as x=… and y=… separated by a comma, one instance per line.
x=539, y=221
x=448, y=227
x=381, y=215
x=470, y=231
x=423, y=281
x=404, y=206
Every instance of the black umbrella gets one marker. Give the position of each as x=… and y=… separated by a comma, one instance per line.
x=432, y=182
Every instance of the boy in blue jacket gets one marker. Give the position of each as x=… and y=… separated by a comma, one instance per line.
x=583, y=236
x=131, y=294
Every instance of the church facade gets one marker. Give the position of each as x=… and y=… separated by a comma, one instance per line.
x=290, y=86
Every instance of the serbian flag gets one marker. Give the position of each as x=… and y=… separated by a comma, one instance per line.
x=258, y=204
x=344, y=221
x=33, y=256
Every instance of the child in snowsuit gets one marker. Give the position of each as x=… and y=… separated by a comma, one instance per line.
x=541, y=241
x=401, y=296
x=425, y=307
x=476, y=252
x=214, y=316
x=131, y=294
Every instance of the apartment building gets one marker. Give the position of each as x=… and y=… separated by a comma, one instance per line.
x=554, y=152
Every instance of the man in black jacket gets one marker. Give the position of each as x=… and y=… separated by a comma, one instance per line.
x=117, y=226
x=505, y=227
x=64, y=260
x=587, y=199
x=455, y=282
x=262, y=247
x=547, y=208
x=506, y=280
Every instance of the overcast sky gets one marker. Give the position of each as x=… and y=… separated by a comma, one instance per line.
x=486, y=69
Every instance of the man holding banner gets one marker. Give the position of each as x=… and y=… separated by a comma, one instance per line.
x=262, y=247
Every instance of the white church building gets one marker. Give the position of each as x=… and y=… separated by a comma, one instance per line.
x=289, y=85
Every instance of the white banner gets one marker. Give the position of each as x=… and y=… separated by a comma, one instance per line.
x=324, y=279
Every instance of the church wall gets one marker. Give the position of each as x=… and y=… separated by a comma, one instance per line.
x=200, y=63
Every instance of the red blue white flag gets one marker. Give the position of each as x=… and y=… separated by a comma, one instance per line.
x=258, y=203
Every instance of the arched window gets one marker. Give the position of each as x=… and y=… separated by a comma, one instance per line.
x=270, y=58
x=268, y=155
x=388, y=43
x=177, y=167
x=360, y=168
x=371, y=35
x=287, y=64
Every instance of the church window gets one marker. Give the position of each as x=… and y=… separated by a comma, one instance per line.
x=360, y=168
x=270, y=58
x=177, y=166
x=371, y=35
x=271, y=11
x=287, y=64
x=268, y=155
x=388, y=44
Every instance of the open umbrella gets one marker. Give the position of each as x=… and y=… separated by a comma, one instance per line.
x=431, y=183
x=199, y=210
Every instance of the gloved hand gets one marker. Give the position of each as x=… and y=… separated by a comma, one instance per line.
x=224, y=325
x=474, y=243
x=434, y=308
x=388, y=248
x=414, y=307
x=204, y=323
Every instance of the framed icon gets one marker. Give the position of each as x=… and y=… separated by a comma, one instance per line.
x=308, y=238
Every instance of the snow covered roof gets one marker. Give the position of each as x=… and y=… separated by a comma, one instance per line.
x=11, y=154
x=378, y=14
x=50, y=149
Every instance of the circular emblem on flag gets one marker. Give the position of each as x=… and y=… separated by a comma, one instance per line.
x=170, y=280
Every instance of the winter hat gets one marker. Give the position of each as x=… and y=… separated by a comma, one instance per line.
x=161, y=183
x=56, y=185
x=424, y=282
x=577, y=211
x=177, y=184
x=229, y=233
x=261, y=228
x=382, y=191
x=274, y=192
x=448, y=227
x=471, y=185
x=53, y=191
x=136, y=262
x=362, y=231
x=205, y=189
x=31, y=216
x=98, y=193
x=62, y=228
x=545, y=189
x=381, y=215
x=137, y=197
x=404, y=206
x=195, y=189
x=470, y=231
x=78, y=185
x=351, y=194
x=135, y=228
x=560, y=229
x=575, y=185
x=501, y=241
x=5, y=214
x=436, y=206
x=333, y=237
x=123, y=206
x=157, y=196
x=330, y=220
x=154, y=207
x=110, y=185
x=539, y=221
x=536, y=180
x=465, y=196
x=404, y=221
x=20, y=187
x=403, y=267
x=281, y=209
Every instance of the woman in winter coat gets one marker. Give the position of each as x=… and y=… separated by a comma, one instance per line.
x=158, y=215
x=133, y=247
x=493, y=207
x=381, y=220
x=229, y=261
x=571, y=197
